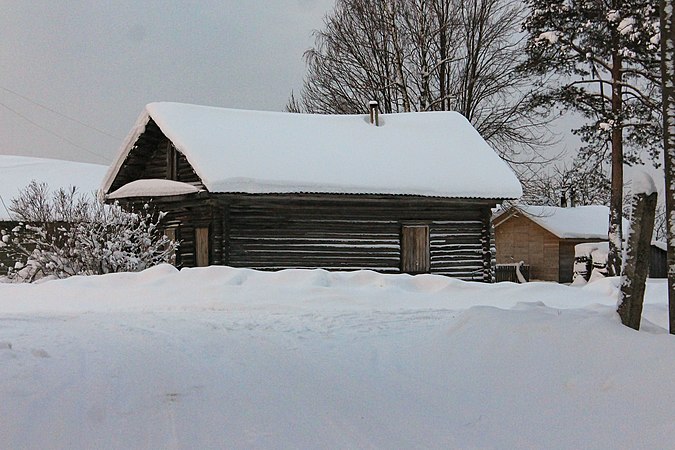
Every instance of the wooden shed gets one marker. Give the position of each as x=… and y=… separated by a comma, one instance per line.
x=658, y=260
x=544, y=237
x=270, y=190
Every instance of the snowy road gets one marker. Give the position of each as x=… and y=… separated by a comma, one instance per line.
x=302, y=360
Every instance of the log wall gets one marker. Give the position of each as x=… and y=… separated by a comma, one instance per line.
x=339, y=233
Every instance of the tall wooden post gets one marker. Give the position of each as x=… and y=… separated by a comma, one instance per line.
x=636, y=266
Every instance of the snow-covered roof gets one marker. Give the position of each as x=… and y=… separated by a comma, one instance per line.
x=434, y=153
x=16, y=172
x=581, y=222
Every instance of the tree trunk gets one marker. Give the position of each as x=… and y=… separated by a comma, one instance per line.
x=441, y=20
x=615, y=233
x=637, y=260
x=668, y=83
x=400, y=80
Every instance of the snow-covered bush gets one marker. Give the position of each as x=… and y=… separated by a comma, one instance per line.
x=69, y=234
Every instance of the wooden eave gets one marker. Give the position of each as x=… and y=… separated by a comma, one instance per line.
x=506, y=215
x=138, y=157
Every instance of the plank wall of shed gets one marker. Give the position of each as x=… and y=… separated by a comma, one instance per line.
x=520, y=239
x=658, y=264
x=353, y=232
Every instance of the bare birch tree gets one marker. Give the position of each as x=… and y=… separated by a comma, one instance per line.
x=426, y=55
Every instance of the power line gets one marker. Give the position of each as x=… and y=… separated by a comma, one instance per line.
x=9, y=214
x=61, y=114
x=53, y=133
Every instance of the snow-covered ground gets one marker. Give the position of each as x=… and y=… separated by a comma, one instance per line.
x=18, y=171
x=232, y=358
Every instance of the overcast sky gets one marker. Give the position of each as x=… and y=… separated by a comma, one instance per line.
x=101, y=62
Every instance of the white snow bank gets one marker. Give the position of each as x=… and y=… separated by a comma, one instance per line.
x=219, y=357
x=219, y=288
x=152, y=188
x=435, y=153
x=16, y=172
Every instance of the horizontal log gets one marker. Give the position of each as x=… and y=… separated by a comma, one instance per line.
x=312, y=241
x=316, y=251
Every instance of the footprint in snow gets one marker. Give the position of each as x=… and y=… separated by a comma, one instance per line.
x=39, y=353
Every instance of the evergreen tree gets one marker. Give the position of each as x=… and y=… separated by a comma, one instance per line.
x=601, y=60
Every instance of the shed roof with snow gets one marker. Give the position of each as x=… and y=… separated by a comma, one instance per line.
x=580, y=222
x=431, y=154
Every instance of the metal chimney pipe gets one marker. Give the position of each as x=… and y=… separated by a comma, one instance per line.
x=373, y=106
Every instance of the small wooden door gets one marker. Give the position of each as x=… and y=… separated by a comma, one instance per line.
x=415, y=249
x=202, y=246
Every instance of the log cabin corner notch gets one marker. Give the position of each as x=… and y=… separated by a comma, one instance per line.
x=272, y=190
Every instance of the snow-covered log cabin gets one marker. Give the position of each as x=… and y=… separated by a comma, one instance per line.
x=395, y=193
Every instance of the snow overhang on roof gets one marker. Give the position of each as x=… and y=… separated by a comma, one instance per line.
x=152, y=188
x=431, y=154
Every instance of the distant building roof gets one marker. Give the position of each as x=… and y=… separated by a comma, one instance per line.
x=432, y=154
x=16, y=172
x=581, y=222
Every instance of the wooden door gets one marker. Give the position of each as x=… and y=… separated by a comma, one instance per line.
x=415, y=249
x=202, y=246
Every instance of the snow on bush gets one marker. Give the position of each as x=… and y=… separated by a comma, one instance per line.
x=67, y=234
x=590, y=262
